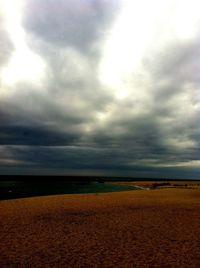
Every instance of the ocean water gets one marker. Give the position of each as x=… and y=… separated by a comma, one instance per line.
x=20, y=189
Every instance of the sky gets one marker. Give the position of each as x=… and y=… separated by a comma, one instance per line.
x=100, y=87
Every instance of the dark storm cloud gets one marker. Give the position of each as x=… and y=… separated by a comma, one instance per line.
x=30, y=108
x=71, y=122
x=74, y=160
x=176, y=91
x=24, y=135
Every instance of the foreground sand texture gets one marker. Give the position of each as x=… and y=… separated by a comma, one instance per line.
x=156, y=228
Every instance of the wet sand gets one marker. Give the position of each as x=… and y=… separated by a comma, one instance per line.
x=156, y=228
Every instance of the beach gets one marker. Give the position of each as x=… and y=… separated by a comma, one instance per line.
x=155, y=228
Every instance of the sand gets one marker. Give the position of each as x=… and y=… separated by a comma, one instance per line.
x=155, y=228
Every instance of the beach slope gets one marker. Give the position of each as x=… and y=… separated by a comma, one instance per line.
x=156, y=228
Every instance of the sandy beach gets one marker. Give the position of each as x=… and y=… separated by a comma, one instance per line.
x=156, y=228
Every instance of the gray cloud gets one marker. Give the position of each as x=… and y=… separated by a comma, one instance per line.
x=72, y=122
x=77, y=24
x=5, y=43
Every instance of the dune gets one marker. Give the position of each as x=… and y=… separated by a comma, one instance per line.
x=156, y=228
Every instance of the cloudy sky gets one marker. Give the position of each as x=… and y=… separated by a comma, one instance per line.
x=100, y=87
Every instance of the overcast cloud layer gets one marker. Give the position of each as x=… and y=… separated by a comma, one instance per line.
x=100, y=87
